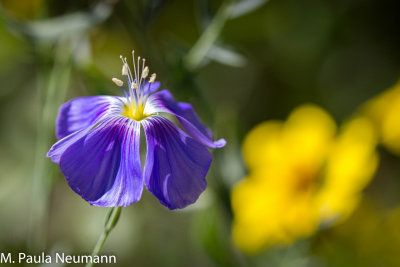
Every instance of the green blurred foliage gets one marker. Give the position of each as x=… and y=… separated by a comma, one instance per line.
x=336, y=53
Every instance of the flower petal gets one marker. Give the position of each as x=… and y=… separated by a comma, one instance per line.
x=149, y=88
x=103, y=166
x=58, y=148
x=176, y=164
x=82, y=112
x=146, y=87
x=163, y=101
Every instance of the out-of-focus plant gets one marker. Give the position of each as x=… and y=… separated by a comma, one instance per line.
x=384, y=110
x=362, y=241
x=206, y=49
x=62, y=38
x=302, y=175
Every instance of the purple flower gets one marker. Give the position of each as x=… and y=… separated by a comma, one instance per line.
x=99, y=137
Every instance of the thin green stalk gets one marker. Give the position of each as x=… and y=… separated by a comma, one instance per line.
x=209, y=36
x=111, y=221
x=55, y=88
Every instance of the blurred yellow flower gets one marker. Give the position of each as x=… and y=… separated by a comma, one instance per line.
x=302, y=175
x=385, y=112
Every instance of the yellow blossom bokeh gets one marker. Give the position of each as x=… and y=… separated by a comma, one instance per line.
x=303, y=174
x=384, y=109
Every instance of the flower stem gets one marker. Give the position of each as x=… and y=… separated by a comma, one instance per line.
x=111, y=221
x=209, y=36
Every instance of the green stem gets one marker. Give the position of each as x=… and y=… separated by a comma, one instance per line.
x=55, y=88
x=209, y=36
x=111, y=221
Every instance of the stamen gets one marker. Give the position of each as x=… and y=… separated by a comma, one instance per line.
x=118, y=82
x=138, y=71
x=138, y=95
x=134, y=65
x=145, y=72
x=125, y=69
x=132, y=95
x=152, y=78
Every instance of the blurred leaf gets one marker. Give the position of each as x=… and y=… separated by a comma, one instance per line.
x=246, y=6
x=200, y=49
x=205, y=44
x=204, y=14
x=226, y=56
x=51, y=29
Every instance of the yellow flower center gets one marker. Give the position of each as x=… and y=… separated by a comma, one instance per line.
x=305, y=181
x=136, y=113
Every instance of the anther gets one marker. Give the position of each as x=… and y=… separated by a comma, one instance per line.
x=125, y=69
x=118, y=82
x=134, y=85
x=152, y=78
x=145, y=72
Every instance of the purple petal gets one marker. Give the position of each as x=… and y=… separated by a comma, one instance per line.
x=150, y=88
x=176, y=164
x=163, y=101
x=82, y=112
x=103, y=166
x=146, y=87
x=58, y=148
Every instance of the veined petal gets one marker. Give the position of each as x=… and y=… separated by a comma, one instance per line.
x=176, y=164
x=82, y=112
x=103, y=166
x=163, y=101
x=58, y=148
